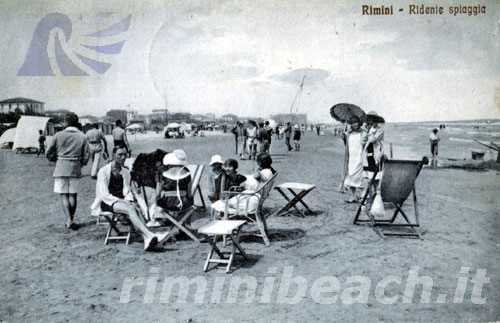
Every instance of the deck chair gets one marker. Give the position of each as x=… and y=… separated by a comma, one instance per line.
x=245, y=209
x=396, y=185
x=179, y=218
x=197, y=172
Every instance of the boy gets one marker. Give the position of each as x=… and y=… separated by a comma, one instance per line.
x=41, y=143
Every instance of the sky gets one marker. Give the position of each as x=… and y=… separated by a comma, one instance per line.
x=248, y=58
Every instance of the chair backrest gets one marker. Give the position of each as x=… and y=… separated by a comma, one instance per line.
x=398, y=179
x=196, y=173
x=266, y=189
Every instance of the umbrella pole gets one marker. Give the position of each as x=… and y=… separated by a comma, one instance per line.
x=346, y=160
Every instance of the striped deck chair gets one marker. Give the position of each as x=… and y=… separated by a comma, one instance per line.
x=196, y=173
x=396, y=185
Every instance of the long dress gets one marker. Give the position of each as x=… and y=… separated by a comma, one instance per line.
x=354, y=176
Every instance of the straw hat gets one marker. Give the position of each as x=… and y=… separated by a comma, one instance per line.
x=373, y=117
x=216, y=159
x=176, y=158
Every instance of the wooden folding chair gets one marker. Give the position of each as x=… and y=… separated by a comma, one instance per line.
x=230, y=229
x=396, y=184
x=179, y=218
x=243, y=207
x=114, y=232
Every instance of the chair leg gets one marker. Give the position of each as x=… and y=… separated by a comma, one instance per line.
x=262, y=228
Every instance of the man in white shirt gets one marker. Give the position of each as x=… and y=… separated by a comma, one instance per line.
x=434, y=141
x=113, y=194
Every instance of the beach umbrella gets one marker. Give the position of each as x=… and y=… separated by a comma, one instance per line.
x=146, y=166
x=173, y=125
x=272, y=123
x=344, y=111
x=135, y=126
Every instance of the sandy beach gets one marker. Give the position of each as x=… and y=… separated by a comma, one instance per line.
x=54, y=275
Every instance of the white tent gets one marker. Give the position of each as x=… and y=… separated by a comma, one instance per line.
x=8, y=136
x=27, y=131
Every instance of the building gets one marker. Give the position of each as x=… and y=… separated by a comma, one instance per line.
x=22, y=105
x=132, y=115
x=229, y=118
x=117, y=114
x=294, y=118
x=159, y=115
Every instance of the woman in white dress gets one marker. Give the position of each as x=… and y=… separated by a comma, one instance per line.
x=354, y=179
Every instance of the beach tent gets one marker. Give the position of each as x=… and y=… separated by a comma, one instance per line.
x=27, y=131
x=8, y=137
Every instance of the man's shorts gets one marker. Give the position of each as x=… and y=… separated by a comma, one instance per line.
x=66, y=185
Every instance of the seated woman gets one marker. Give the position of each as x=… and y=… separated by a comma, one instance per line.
x=232, y=179
x=113, y=194
x=173, y=191
x=246, y=202
x=264, y=172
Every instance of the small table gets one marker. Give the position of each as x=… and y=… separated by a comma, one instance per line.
x=298, y=191
x=229, y=228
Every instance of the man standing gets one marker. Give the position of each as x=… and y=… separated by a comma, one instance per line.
x=113, y=194
x=434, y=141
x=288, y=135
x=120, y=137
x=239, y=135
x=72, y=151
x=96, y=141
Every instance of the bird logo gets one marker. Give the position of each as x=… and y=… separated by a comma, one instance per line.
x=51, y=54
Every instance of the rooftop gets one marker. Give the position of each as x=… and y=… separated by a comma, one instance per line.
x=19, y=100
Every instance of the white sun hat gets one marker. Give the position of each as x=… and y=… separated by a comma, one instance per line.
x=176, y=158
x=216, y=159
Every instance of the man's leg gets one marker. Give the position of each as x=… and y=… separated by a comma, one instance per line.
x=72, y=201
x=96, y=160
x=66, y=208
x=136, y=219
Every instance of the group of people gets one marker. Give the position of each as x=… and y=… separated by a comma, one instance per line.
x=364, y=148
x=252, y=138
x=71, y=150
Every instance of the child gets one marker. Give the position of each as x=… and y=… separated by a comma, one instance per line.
x=296, y=137
x=41, y=143
x=215, y=178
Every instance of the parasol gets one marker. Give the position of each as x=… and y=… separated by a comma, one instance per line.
x=272, y=123
x=344, y=111
x=146, y=166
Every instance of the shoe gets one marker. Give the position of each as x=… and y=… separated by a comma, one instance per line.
x=161, y=237
x=153, y=224
x=149, y=244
